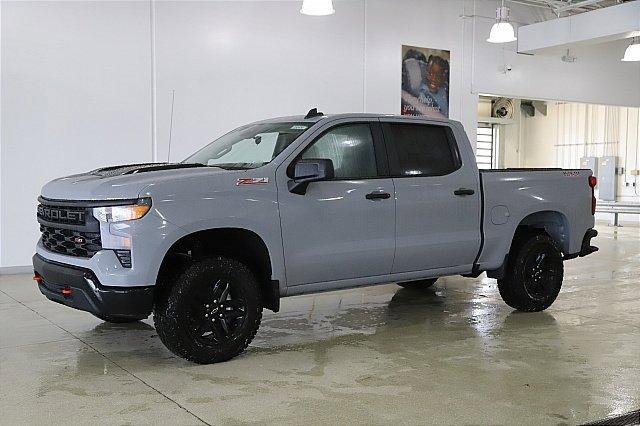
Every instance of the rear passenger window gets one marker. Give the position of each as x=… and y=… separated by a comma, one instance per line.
x=419, y=149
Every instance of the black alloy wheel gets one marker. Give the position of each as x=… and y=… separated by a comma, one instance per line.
x=211, y=312
x=217, y=313
x=540, y=274
x=534, y=274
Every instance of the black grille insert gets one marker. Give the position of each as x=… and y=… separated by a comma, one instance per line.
x=124, y=256
x=71, y=242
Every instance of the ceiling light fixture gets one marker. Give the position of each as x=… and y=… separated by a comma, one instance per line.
x=632, y=54
x=502, y=31
x=317, y=7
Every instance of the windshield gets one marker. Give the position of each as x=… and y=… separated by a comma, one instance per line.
x=249, y=146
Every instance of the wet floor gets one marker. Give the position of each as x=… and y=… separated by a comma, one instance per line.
x=452, y=354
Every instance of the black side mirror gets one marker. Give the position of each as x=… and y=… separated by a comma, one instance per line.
x=307, y=171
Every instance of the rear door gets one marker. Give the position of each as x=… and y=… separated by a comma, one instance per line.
x=343, y=228
x=437, y=197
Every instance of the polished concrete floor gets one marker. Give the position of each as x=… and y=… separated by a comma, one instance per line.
x=454, y=354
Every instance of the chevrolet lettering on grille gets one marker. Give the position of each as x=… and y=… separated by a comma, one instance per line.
x=57, y=215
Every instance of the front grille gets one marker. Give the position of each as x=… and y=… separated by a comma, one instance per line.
x=69, y=228
x=71, y=242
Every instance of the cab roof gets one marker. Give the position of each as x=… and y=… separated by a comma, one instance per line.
x=332, y=117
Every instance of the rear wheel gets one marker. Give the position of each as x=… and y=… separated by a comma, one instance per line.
x=211, y=313
x=534, y=274
x=420, y=284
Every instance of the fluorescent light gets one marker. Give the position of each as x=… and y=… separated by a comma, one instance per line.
x=502, y=31
x=317, y=7
x=632, y=54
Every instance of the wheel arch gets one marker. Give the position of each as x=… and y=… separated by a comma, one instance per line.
x=552, y=223
x=241, y=244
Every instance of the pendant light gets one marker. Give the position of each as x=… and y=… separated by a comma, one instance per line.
x=502, y=31
x=317, y=7
x=632, y=54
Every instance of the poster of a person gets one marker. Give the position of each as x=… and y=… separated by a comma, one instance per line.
x=425, y=82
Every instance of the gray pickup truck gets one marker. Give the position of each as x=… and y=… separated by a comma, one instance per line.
x=298, y=205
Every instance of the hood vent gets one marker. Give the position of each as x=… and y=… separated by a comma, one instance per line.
x=130, y=169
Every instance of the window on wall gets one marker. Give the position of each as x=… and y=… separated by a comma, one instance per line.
x=487, y=146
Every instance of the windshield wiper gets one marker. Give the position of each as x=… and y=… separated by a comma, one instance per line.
x=234, y=166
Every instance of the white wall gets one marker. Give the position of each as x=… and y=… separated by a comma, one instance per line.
x=235, y=62
x=76, y=94
x=77, y=78
x=435, y=24
x=573, y=130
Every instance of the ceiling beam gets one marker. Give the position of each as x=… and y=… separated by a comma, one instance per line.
x=597, y=26
x=578, y=5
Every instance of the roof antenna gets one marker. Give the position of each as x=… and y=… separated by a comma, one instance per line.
x=313, y=112
x=173, y=97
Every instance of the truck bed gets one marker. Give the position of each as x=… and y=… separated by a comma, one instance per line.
x=558, y=200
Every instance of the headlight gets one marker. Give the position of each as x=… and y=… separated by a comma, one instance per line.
x=121, y=213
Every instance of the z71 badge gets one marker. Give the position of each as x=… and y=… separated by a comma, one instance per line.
x=252, y=181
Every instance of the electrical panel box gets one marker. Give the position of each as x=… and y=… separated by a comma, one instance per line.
x=607, y=184
x=590, y=163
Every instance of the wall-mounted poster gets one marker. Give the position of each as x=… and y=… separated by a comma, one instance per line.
x=425, y=82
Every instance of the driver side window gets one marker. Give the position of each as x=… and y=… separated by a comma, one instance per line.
x=350, y=148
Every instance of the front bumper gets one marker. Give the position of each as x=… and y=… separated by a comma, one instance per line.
x=147, y=239
x=79, y=288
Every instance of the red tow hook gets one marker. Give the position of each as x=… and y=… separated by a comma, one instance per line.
x=66, y=291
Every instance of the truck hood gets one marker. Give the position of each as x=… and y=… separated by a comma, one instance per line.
x=120, y=182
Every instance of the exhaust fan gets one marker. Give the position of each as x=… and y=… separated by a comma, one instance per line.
x=502, y=108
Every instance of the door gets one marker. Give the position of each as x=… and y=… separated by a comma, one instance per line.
x=342, y=228
x=437, y=197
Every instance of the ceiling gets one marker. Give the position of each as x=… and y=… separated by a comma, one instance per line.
x=569, y=7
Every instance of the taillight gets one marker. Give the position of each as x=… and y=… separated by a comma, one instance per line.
x=593, y=181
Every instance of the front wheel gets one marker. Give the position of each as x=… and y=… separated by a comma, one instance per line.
x=534, y=275
x=211, y=313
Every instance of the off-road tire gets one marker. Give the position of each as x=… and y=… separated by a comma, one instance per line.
x=534, y=274
x=418, y=285
x=174, y=313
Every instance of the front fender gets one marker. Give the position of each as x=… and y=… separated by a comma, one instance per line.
x=203, y=206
